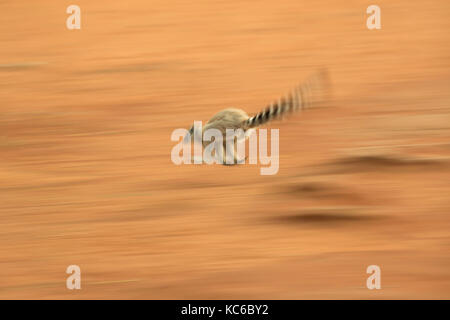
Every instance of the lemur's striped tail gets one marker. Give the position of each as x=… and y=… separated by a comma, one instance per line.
x=302, y=97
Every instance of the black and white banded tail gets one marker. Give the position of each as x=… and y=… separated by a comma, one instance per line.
x=300, y=98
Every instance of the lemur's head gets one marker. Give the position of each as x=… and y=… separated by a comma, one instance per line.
x=189, y=135
x=191, y=130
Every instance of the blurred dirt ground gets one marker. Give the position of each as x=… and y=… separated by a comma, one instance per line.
x=85, y=124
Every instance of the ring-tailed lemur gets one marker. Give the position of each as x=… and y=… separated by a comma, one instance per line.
x=301, y=97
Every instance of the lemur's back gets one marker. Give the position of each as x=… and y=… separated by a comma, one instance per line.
x=230, y=118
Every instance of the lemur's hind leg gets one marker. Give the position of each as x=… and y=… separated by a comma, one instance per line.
x=227, y=155
x=244, y=157
x=233, y=153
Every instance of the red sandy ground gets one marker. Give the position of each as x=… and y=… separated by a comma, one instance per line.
x=86, y=175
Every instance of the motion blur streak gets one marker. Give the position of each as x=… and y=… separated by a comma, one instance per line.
x=85, y=123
